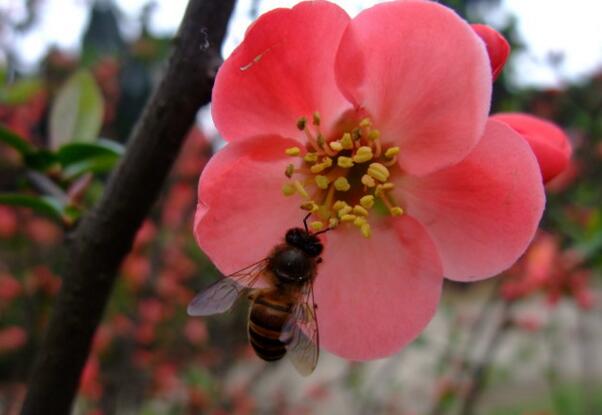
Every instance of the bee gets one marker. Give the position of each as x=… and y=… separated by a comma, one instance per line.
x=282, y=316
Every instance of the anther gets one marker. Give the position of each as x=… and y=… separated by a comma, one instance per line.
x=360, y=210
x=316, y=118
x=348, y=218
x=333, y=223
x=320, y=140
x=288, y=189
x=366, y=231
x=336, y=146
x=367, y=201
x=365, y=122
x=374, y=135
x=356, y=134
x=396, y=211
x=359, y=221
x=311, y=157
x=321, y=181
x=310, y=206
x=301, y=123
x=290, y=169
x=341, y=184
x=344, y=210
x=292, y=151
x=345, y=162
x=378, y=171
x=363, y=154
x=391, y=152
x=368, y=181
x=339, y=204
x=346, y=141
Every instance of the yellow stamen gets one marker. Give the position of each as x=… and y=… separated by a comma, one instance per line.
x=359, y=221
x=368, y=181
x=344, y=210
x=310, y=206
x=321, y=181
x=348, y=218
x=316, y=118
x=292, y=151
x=290, y=169
x=346, y=141
x=311, y=157
x=396, y=211
x=367, y=201
x=301, y=122
x=336, y=145
x=333, y=223
x=316, y=226
x=288, y=189
x=363, y=154
x=339, y=204
x=345, y=162
x=379, y=172
x=374, y=135
x=365, y=123
x=360, y=210
x=391, y=152
x=300, y=189
x=341, y=184
x=366, y=231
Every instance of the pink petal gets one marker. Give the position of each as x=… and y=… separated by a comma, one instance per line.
x=376, y=295
x=549, y=143
x=483, y=212
x=498, y=47
x=424, y=76
x=242, y=213
x=282, y=70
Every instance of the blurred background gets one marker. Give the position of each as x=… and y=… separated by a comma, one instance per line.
x=527, y=342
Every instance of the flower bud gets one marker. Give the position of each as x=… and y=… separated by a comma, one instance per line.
x=498, y=48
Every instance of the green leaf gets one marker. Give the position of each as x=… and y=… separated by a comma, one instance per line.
x=40, y=160
x=101, y=164
x=15, y=141
x=42, y=205
x=76, y=114
x=76, y=152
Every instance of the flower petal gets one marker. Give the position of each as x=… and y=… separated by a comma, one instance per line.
x=498, y=47
x=549, y=143
x=483, y=212
x=282, y=70
x=242, y=213
x=424, y=76
x=376, y=295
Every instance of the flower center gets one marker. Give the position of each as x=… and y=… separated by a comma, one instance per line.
x=344, y=179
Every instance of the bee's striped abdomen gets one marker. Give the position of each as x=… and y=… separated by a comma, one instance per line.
x=267, y=317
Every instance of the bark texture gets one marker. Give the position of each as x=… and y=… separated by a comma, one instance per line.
x=106, y=233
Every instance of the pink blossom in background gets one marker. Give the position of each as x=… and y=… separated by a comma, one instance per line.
x=550, y=144
x=12, y=338
x=379, y=126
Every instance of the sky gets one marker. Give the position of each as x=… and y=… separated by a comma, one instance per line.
x=547, y=27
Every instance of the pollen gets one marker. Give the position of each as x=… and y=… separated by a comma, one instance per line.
x=343, y=178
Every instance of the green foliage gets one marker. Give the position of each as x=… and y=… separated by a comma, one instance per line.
x=76, y=114
x=43, y=205
x=15, y=141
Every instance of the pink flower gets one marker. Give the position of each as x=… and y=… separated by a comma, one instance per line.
x=498, y=47
x=549, y=143
x=380, y=124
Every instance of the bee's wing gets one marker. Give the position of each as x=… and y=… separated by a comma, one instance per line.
x=222, y=294
x=300, y=333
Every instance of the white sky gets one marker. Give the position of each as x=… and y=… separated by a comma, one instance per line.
x=546, y=26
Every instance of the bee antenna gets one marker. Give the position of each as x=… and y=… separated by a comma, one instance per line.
x=305, y=221
x=323, y=231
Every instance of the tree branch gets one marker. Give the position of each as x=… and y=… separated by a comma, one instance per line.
x=105, y=235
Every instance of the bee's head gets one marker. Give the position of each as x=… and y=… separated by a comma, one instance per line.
x=305, y=241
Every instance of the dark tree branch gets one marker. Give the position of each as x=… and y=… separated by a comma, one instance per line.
x=105, y=235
